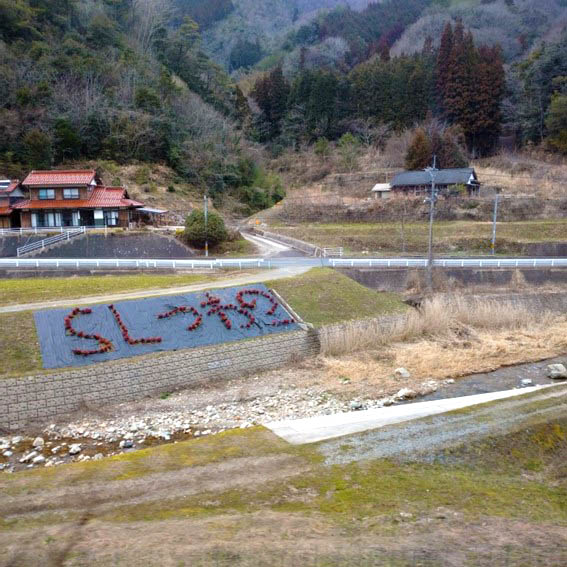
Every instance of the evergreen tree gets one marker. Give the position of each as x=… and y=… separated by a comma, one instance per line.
x=486, y=99
x=443, y=62
x=36, y=150
x=419, y=152
x=556, y=123
x=271, y=93
x=241, y=108
x=67, y=141
x=197, y=234
x=348, y=150
x=471, y=85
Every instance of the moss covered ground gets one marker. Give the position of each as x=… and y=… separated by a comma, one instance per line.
x=226, y=483
x=324, y=296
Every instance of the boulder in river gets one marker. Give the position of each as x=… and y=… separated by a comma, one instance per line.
x=557, y=372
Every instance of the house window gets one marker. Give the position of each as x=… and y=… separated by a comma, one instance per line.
x=70, y=193
x=47, y=193
x=111, y=218
x=46, y=219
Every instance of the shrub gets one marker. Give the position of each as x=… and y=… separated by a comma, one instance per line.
x=348, y=150
x=322, y=148
x=196, y=234
x=142, y=176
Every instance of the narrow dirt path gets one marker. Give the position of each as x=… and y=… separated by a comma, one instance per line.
x=268, y=275
x=157, y=487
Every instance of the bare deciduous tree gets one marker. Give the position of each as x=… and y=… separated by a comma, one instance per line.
x=149, y=16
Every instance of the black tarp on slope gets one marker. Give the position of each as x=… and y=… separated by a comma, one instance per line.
x=140, y=317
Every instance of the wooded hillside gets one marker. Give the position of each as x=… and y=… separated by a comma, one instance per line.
x=122, y=80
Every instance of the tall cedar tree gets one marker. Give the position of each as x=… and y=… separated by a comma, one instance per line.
x=446, y=144
x=471, y=86
x=419, y=152
x=271, y=93
x=443, y=57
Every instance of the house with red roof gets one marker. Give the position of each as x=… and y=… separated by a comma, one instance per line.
x=10, y=194
x=73, y=198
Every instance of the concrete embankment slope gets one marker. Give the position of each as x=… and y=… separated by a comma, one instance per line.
x=321, y=428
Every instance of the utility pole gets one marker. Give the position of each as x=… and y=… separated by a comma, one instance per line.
x=206, y=225
x=495, y=218
x=432, y=199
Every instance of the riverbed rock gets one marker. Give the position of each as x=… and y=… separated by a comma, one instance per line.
x=526, y=382
x=556, y=372
x=75, y=449
x=402, y=373
x=38, y=443
x=27, y=458
x=405, y=394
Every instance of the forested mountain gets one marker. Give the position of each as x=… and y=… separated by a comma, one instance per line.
x=157, y=81
x=479, y=65
x=349, y=31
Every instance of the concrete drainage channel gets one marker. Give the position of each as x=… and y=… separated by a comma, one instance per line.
x=92, y=439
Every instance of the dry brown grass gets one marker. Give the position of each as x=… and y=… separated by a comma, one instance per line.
x=447, y=339
x=440, y=318
x=370, y=373
x=525, y=173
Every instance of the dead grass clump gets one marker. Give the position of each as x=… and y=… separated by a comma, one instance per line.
x=441, y=357
x=454, y=319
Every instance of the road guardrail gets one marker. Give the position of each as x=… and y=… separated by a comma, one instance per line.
x=255, y=263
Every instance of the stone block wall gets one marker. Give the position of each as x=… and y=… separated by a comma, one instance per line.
x=40, y=398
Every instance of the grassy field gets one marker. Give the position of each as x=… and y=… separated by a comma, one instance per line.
x=25, y=290
x=323, y=296
x=246, y=498
x=19, y=347
x=449, y=237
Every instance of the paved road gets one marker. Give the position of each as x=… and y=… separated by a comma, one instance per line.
x=270, y=248
x=115, y=297
x=314, y=429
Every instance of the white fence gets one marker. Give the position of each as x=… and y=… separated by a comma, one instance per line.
x=27, y=231
x=45, y=242
x=333, y=252
x=107, y=264
x=450, y=263
x=236, y=263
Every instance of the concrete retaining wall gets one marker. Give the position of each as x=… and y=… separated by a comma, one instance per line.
x=40, y=398
x=120, y=245
x=404, y=279
x=9, y=244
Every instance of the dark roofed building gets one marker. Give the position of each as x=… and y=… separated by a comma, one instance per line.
x=446, y=180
